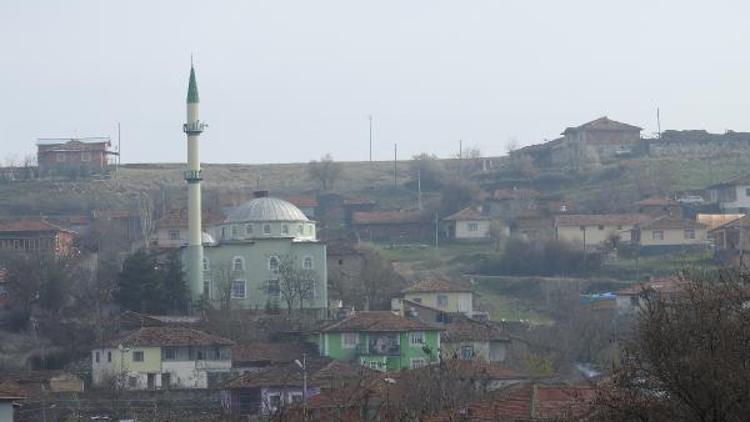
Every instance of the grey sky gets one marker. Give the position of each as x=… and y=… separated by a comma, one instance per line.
x=290, y=80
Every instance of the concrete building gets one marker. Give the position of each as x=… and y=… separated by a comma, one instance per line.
x=160, y=358
x=264, y=247
x=732, y=196
x=444, y=295
x=73, y=156
x=668, y=234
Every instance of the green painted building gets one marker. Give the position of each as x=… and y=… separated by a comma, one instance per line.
x=381, y=340
x=267, y=254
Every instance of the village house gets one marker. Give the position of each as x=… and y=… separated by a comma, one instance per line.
x=608, y=138
x=10, y=396
x=597, y=230
x=732, y=241
x=394, y=226
x=35, y=236
x=256, y=356
x=170, y=231
x=468, y=339
x=659, y=207
x=444, y=295
x=712, y=221
x=306, y=204
x=160, y=358
x=268, y=391
x=632, y=299
x=381, y=340
x=472, y=225
x=76, y=156
x=731, y=196
x=668, y=234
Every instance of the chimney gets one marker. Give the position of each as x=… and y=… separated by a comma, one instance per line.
x=260, y=194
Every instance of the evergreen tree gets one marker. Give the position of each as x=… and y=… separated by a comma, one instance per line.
x=174, y=290
x=138, y=284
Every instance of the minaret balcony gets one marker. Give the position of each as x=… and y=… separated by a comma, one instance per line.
x=192, y=176
x=194, y=128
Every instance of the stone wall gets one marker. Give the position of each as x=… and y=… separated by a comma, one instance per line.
x=698, y=143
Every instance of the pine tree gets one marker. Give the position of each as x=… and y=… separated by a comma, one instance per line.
x=174, y=290
x=138, y=283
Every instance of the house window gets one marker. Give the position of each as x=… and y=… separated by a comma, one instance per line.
x=601, y=227
x=417, y=299
x=85, y=157
x=109, y=356
x=174, y=235
x=747, y=191
x=249, y=229
x=295, y=398
x=349, y=340
x=96, y=357
x=657, y=235
x=238, y=263
x=689, y=234
x=467, y=352
x=284, y=229
x=274, y=401
x=206, y=287
x=137, y=356
x=418, y=363
x=267, y=229
x=307, y=263
x=442, y=301
x=273, y=265
x=238, y=289
x=60, y=157
x=272, y=288
x=341, y=262
x=416, y=339
x=473, y=227
x=170, y=353
x=235, y=232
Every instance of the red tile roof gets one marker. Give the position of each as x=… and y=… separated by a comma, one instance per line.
x=438, y=285
x=466, y=329
x=11, y=391
x=668, y=222
x=392, y=217
x=467, y=214
x=31, y=226
x=377, y=321
x=179, y=218
x=169, y=336
x=302, y=201
x=284, y=376
x=601, y=219
x=271, y=353
x=358, y=201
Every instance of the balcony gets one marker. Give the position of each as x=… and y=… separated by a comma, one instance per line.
x=380, y=346
x=193, y=175
x=194, y=128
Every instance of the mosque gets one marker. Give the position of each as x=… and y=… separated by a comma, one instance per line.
x=266, y=253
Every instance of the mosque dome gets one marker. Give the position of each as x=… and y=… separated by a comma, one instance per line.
x=266, y=209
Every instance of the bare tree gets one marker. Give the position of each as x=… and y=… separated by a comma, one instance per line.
x=325, y=172
x=295, y=285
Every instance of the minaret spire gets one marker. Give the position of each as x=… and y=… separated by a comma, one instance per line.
x=193, y=176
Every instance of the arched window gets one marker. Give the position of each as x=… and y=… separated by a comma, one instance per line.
x=238, y=263
x=300, y=229
x=284, y=229
x=309, y=229
x=235, y=231
x=206, y=264
x=249, y=229
x=307, y=263
x=273, y=265
x=267, y=229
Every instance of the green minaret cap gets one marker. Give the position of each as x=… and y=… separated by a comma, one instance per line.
x=192, y=96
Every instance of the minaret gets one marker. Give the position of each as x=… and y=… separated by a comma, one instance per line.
x=193, y=176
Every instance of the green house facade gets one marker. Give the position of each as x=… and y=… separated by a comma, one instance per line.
x=382, y=341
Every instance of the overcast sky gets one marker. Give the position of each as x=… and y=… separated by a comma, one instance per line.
x=284, y=81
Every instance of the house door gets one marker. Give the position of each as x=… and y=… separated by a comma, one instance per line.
x=151, y=381
x=166, y=380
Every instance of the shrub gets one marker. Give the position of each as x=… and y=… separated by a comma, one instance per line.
x=550, y=258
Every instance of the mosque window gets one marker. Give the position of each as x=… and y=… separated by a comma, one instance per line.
x=300, y=229
x=235, y=231
x=273, y=265
x=284, y=229
x=206, y=264
x=239, y=290
x=249, y=229
x=267, y=229
x=307, y=263
x=238, y=263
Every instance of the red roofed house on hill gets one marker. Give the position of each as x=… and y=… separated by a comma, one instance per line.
x=447, y=296
x=35, y=236
x=669, y=234
x=394, y=226
x=473, y=225
x=78, y=156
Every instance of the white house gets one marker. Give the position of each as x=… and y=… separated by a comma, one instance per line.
x=470, y=224
x=443, y=295
x=733, y=195
x=161, y=357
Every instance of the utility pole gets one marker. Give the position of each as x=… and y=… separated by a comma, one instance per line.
x=658, y=121
x=460, y=149
x=119, y=150
x=369, y=117
x=419, y=189
x=395, y=165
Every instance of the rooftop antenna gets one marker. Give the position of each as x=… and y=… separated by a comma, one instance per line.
x=369, y=116
x=658, y=122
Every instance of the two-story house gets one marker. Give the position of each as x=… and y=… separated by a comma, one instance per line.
x=35, y=236
x=381, y=340
x=161, y=357
x=447, y=296
x=731, y=196
x=76, y=156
